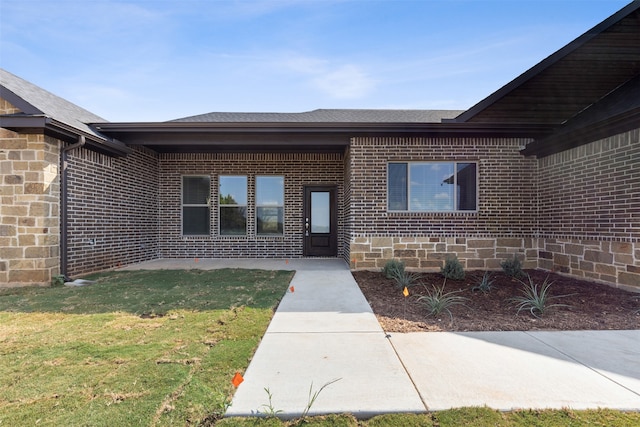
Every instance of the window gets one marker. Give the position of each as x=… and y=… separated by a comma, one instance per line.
x=196, y=197
x=269, y=205
x=432, y=186
x=233, y=205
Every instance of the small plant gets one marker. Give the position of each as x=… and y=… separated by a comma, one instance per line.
x=314, y=395
x=452, y=269
x=437, y=300
x=512, y=266
x=536, y=299
x=393, y=268
x=270, y=411
x=406, y=279
x=485, y=284
x=57, y=280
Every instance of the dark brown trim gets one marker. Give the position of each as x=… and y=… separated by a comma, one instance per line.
x=566, y=140
x=293, y=137
x=22, y=123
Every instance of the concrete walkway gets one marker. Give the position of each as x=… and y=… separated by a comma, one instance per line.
x=325, y=330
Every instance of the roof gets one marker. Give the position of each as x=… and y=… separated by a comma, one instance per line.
x=571, y=79
x=328, y=116
x=617, y=112
x=40, y=109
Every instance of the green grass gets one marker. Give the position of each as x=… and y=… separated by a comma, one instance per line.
x=472, y=417
x=146, y=348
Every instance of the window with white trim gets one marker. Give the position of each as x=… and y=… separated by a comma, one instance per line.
x=196, y=198
x=233, y=205
x=270, y=205
x=432, y=186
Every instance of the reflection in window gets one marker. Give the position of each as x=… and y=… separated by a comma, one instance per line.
x=432, y=186
x=195, y=205
x=233, y=205
x=270, y=205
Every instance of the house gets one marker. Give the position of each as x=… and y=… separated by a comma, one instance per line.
x=547, y=168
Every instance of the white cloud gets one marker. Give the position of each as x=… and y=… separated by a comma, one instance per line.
x=442, y=196
x=345, y=82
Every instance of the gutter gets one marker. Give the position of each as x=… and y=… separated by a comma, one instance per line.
x=64, y=203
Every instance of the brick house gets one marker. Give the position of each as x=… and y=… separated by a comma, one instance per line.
x=547, y=168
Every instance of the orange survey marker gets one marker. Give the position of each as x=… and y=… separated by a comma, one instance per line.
x=237, y=379
x=292, y=289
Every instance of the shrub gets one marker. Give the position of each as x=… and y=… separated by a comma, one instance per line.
x=57, y=280
x=452, y=269
x=437, y=300
x=485, y=284
x=536, y=299
x=512, y=266
x=393, y=268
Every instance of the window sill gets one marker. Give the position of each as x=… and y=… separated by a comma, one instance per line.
x=431, y=214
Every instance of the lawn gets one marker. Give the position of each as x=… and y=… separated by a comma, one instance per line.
x=148, y=348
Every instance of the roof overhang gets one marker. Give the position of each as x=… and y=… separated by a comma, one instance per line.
x=616, y=113
x=24, y=123
x=571, y=79
x=267, y=137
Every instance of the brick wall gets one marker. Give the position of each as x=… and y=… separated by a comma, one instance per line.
x=589, y=212
x=29, y=212
x=112, y=209
x=299, y=169
x=502, y=226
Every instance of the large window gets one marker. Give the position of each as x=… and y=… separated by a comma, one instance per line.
x=233, y=205
x=269, y=205
x=432, y=186
x=196, y=197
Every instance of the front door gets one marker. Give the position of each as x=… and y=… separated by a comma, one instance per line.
x=320, y=221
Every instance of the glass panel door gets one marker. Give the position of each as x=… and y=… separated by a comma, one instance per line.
x=320, y=212
x=320, y=219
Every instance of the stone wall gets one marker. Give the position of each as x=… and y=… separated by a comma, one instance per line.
x=430, y=253
x=30, y=209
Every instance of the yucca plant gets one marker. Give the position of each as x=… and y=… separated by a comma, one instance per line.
x=436, y=300
x=536, y=298
x=406, y=279
x=485, y=284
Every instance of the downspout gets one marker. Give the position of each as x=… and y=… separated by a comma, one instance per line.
x=63, y=205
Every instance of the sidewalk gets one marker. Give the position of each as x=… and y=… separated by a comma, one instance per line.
x=325, y=330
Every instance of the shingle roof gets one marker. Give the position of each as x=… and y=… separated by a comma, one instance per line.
x=47, y=104
x=327, y=116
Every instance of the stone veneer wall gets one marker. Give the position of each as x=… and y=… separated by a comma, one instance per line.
x=589, y=211
x=502, y=226
x=29, y=212
x=112, y=209
x=299, y=169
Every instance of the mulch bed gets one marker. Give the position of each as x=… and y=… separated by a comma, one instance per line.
x=591, y=306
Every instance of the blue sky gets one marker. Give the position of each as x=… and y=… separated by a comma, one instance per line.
x=156, y=60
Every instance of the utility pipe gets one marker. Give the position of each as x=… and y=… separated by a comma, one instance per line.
x=64, y=203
